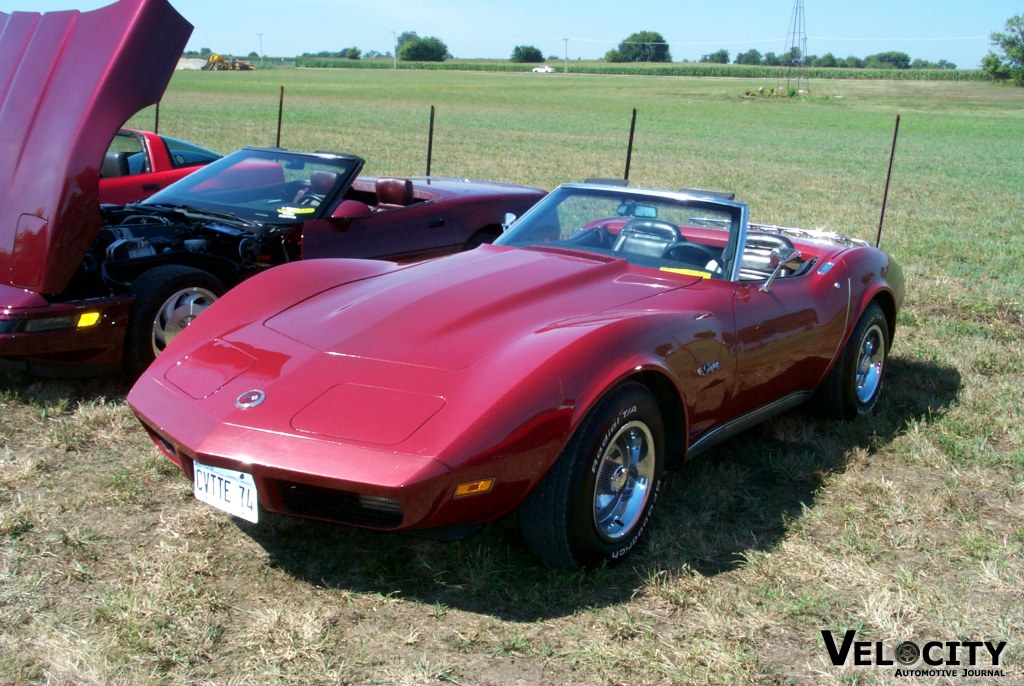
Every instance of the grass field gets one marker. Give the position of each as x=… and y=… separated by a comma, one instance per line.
x=908, y=525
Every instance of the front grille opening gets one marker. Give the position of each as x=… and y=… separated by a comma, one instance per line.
x=340, y=506
x=165, y=446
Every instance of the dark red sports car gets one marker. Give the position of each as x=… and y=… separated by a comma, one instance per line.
x=82, y=287
x=608, y=336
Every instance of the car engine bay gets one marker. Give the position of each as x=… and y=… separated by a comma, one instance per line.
x=135, y=238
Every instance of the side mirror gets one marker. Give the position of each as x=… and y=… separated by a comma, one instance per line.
x=510, y=219
x=779, y=259
x=351, y=209
x=787, y=258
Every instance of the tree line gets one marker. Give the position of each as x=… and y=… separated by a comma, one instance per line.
x=651, y=46
x=883, y=60
x=409, y=47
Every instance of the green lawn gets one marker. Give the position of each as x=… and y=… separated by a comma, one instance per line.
x=908, y=525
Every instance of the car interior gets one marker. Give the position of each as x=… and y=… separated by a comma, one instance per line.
x=661, y=244
x=387, y=193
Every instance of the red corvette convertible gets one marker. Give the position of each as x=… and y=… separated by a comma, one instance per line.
x=86, y=288
x=608, y=336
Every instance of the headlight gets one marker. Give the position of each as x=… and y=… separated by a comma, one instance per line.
x=50, y=323
x=67, y=321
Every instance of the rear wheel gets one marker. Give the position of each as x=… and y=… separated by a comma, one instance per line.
x=596, y=501
x=167, y=299
x=854, y=385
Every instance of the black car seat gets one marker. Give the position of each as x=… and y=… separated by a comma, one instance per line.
x=646, y=237
x=114, y=164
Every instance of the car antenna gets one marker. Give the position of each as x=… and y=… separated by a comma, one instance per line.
x=430, y=140
x=280, y=116
x=888, y=177
x=629, y=151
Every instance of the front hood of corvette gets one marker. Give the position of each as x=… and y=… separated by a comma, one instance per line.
x=68, y=81
x=449, y=313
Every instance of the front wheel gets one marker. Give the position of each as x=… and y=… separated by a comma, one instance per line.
x=596, y=501
x=167, y=299
x=854, y=385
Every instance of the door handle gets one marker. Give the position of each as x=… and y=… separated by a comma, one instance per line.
x=436, y=221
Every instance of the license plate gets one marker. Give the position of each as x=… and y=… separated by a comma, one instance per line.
x=226, y=489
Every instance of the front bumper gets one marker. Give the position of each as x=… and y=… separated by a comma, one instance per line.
x=298, y=475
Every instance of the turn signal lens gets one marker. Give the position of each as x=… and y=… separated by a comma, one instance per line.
x=88, y=319
x=473, y=487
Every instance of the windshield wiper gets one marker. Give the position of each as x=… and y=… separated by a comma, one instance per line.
x=196, y=212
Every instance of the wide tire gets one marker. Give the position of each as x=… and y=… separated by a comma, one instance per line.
x=854, y=385
x=596, y=501
x=167, y=299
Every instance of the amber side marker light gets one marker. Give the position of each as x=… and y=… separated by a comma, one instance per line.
x=473, y=487
x=88, y=319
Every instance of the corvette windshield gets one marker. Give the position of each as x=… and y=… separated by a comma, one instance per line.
x=268, y=186
x=667, y=231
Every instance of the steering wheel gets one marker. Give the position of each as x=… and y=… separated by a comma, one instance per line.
x=595, y=236
x=693, y=253
x=310, y=200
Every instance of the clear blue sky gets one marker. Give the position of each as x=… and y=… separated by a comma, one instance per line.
x=954, y=30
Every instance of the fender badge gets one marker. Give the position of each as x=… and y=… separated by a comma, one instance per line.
x=250, y=399
x=707, y=368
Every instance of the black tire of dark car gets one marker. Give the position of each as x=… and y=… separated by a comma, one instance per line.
x=595, y=503
x=854, y=385
x=167, y=299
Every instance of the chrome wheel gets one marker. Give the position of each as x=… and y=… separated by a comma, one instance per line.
x=177, y=312
x=595, y=503
x=870, y=360
x=625, y=473
x=854, y=384
x=167, y=299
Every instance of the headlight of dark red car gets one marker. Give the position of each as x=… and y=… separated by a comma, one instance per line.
x=41, y=324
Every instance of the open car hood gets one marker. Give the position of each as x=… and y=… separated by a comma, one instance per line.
x=68, y=81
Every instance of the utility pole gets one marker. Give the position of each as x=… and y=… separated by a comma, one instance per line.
x=566, y=55
x=394, y=49
x=261, y=48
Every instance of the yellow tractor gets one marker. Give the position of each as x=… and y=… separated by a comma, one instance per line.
x=217, y=62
